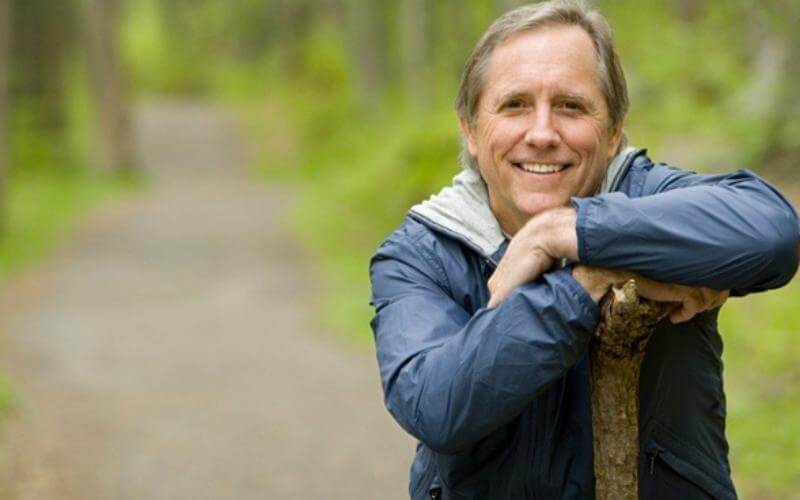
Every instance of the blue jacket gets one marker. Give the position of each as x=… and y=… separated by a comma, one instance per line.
x=499, y=397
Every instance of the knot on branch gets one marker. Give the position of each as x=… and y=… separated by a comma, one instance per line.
x=627, y=321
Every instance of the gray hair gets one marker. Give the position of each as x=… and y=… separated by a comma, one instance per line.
x=531, y=17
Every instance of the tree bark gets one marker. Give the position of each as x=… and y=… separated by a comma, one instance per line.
x=773, y=93
x=44, y=36
x=5, y=40
x=115, y=150
x=413, y=15
x=616, y=354
x=367, y=49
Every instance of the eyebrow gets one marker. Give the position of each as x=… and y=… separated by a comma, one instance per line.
x=518, y=94
x=583, y=100
x=510, y=96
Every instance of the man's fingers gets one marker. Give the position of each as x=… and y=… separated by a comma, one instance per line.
x=515, y=269
x=658, y=292
x=498, y=295
x=690, y=300
x=709, y=298
x=684, y=312
x=719, y=298
x=501, y=288
x=697, y=300
x=722, y=298
x=499, y=285
x=496, y=299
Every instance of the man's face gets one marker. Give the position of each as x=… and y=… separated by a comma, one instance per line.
x=541, y=132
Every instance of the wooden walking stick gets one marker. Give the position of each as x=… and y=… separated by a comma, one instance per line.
x=616, y=351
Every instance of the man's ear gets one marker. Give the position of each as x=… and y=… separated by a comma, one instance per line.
x=469, y=139
x=614, y=141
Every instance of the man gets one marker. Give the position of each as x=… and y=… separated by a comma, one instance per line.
x=482, y=333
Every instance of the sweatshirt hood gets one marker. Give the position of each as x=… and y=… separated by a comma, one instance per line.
x=462, y=209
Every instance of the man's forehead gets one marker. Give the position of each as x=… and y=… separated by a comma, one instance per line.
x=556, y=45
x=567, y=37
x=555, y=54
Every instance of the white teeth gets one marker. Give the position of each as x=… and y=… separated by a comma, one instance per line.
x=541, y=168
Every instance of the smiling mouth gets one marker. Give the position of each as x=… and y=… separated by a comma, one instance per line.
x=541, y=168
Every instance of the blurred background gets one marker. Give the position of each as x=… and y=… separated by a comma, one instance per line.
x=342, y=112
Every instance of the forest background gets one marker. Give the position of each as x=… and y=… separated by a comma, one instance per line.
x=350, y=104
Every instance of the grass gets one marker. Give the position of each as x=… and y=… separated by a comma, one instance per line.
x=763, y=386
x=43, y=207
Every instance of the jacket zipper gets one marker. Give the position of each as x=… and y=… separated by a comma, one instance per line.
x=653, y=456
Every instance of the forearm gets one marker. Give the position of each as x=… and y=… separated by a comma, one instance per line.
x=715, y=236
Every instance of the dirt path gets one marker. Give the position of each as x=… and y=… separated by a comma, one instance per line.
x=168, y=352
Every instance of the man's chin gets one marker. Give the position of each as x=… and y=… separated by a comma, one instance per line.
x=541, y=203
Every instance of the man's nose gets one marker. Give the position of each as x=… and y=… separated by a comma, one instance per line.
x=541, y=132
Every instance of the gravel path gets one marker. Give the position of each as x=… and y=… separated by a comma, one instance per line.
x=169, y=350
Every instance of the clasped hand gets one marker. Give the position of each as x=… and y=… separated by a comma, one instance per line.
x=551, y=236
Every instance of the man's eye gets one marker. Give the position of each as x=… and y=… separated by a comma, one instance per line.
x=572, y=106
x=513, y=104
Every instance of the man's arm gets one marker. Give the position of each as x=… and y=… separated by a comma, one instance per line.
x=450, y=378
x=729, y=231
x=529, y=253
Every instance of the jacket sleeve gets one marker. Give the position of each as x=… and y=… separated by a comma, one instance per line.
x=731, y=231
x=449, y=378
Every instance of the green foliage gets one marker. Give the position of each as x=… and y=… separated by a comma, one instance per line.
x=143, y=43
x=39, y=146
x=191, y=47
x=687, y=80
x=41, y=209
x=33, y=146
x=291, y=113
x=392, y=164
x=763, y=386
x=157, y=64
x=48, y=184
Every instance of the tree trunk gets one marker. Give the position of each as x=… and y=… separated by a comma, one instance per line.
x=115, y=150
x=367, y=49
x=773, y=94
x=616, y=354
x=43, y=39
x=292, y=21
x=414, y=18
x=5, y=39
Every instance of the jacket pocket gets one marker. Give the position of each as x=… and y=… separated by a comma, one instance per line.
x=675, y=470
x=423, y=473
x=435, y=491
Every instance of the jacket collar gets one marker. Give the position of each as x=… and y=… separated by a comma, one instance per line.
x=461, y=211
